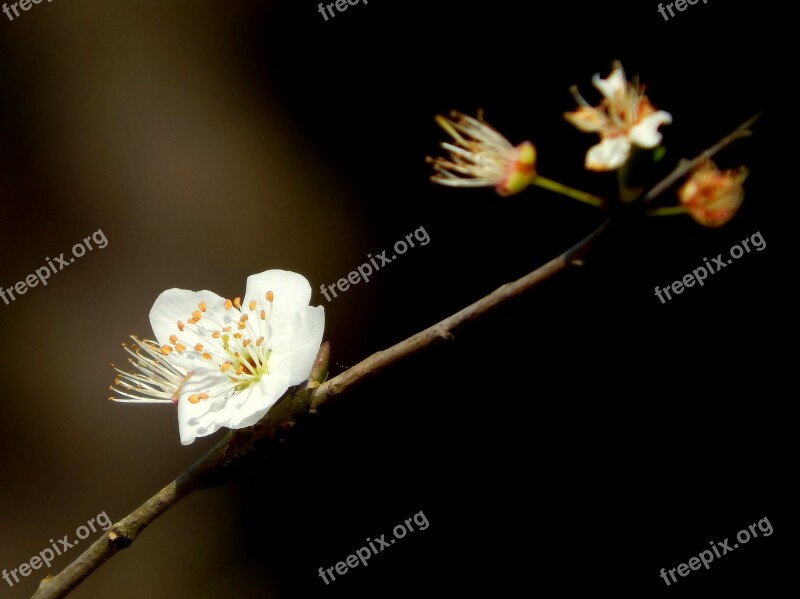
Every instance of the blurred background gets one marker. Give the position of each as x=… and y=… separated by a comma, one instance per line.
x=581, y=437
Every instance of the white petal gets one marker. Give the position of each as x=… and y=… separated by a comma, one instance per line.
x=609, y=154
x=206, y=416
x=291, y=291
x=645, y=134
x=614, y=84
x=179, y=304
x=250, y=405
x=295, y=342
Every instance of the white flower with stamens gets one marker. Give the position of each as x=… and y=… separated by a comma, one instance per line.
x=240, y=355
x=624, y=118
x=481, y=157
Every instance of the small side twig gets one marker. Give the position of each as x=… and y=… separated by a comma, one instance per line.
x=684, y=165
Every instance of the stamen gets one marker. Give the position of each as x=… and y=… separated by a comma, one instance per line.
x=263, y=314
x=215, y=334
x=202, y=306
x=252, y=305
x=196, y=315
x=225, y=366
x=180, y=347
x=173, y=339
x=198, y=347
x=166, y=350
x=270, y=296
x=259, y=341
x=228, y=304
x=206, y=356
x=180, y=326
x=237, y=301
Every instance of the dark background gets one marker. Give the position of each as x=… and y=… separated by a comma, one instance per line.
x=579, y=438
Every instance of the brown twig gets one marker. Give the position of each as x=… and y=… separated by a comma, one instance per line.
x=684, y=166
x=238, y=444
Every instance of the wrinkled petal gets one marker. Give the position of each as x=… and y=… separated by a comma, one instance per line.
x=609, y=154
x=645, y=134
x=250, y=405
x=613, y=85
x=295, y=342
x=206, y=416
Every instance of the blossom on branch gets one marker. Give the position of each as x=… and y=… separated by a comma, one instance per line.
x=481, y=157
x=624, y=118
x=239, y=356
x=711, y=196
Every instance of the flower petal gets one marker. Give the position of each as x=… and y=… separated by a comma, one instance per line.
x=609, y=154
x=250, y=405
x=295, y=341
x=291, y=291
x=614, y=84
x=206, y=416
x=588, y=119
x=179, y=304
x=645, y=134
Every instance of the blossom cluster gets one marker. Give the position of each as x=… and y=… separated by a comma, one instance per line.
x=625, y=121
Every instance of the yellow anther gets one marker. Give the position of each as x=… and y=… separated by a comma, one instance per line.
x=226, y=330
x=225, y=366
x=198, y=347
x=263, y=314
x=166, y=350
x=240, y=369
x=173, y=339
x=270, y=296
x=244, y=318
x=180, y=326
x=252, y=305
x=196, y=315
x=247, y=342
x=181, y=348
x=203, y=396
x=259, y=341
x=241, y=326
x=237, y=301
x=237, y=335
x=193, y=398
x=206, y=356
x=202, y=306
x=216, y=334
x=228, y=304
x=192, y=321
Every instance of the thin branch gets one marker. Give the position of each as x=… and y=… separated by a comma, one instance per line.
x=240, y=443
x=684, y=166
